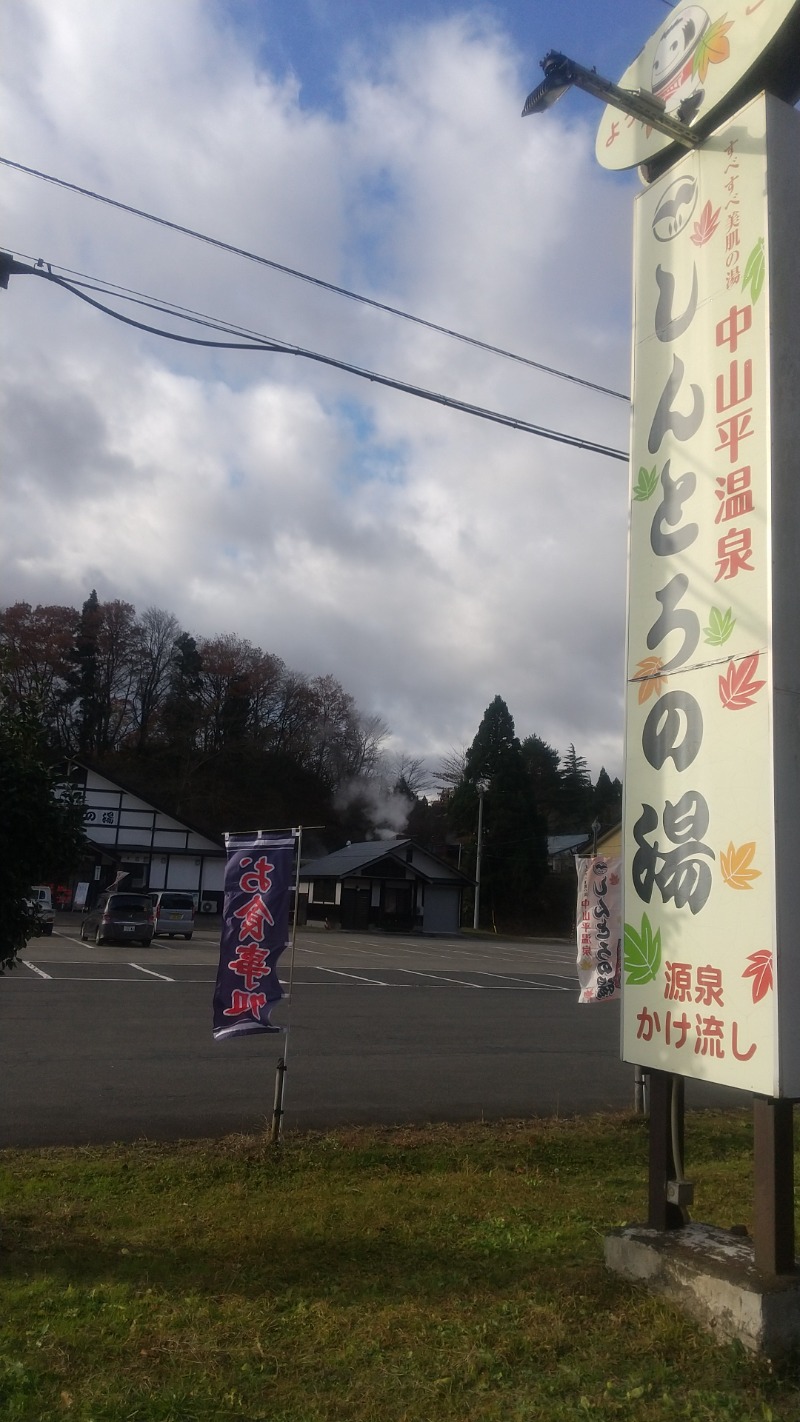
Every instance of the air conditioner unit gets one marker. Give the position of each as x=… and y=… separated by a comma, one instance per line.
x=208, y=906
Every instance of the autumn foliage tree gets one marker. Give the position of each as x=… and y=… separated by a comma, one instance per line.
x=213, y=728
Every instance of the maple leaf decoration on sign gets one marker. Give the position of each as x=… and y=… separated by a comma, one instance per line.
x=735, y=865
x=706, y=226
x=760, y=971
x=648, y=675
x=713, y=47
x=720, y=626
x=646, y=484
x=642, y=953
x=737, y=688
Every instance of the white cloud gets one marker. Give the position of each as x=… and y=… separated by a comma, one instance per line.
x=427, y=559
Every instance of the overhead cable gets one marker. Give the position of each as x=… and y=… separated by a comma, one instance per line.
x=313, y=280
x=253, y=343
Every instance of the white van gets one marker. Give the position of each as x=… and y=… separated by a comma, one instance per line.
x=42, y=900
x=174, y=913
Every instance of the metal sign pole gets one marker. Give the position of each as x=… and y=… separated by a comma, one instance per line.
x=276, y=1127
x=773, y=1214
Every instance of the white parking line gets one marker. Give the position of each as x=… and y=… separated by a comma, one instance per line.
x=34, y=968
x=374, y=982
x=531, y=982
x=459, y=982
x=150, y=972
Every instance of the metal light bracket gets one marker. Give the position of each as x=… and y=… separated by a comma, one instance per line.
x=561, y=73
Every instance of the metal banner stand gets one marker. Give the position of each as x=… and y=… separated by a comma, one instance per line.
x=276, y=1127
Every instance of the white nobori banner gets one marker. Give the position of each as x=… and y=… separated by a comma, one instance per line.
x=599, y=920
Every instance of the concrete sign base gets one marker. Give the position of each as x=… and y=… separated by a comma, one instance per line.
x=710, y=1273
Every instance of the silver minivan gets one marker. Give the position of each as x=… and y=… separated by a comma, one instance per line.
x=174, y=913
x=42, y=900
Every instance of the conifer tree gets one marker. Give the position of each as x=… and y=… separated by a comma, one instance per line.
x=85, y=679
x=514, y=843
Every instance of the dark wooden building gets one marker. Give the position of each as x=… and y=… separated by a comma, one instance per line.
x=390, y=884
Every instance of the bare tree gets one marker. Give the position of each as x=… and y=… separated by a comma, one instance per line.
x=451, y=769
x=154, y=642
x=410, y=771
x=116, y=674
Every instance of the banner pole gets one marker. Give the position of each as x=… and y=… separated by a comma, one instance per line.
x=282, y=1067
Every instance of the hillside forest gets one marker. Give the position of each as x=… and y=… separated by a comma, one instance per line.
x=227, y=736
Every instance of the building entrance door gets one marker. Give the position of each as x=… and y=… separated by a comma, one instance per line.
x=355, y=906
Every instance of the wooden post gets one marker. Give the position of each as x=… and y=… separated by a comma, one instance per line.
x=662, y=1213
x=773, y=1148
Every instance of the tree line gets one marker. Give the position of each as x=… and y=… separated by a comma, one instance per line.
x=227, y=736
x=190, y=721
x=524, y=792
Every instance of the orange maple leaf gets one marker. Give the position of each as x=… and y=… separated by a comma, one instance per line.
x=760, y=971
x=713, y=48
x=735, y=865
x=648, y=673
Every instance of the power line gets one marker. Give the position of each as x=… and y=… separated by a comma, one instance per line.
x=256, y=343
x=313, y=280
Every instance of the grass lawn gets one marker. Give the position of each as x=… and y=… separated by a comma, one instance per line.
x=380, y=1275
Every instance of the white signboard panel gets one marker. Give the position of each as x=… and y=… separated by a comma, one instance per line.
x=702, y=986
x=695, y=58
x=99, y=815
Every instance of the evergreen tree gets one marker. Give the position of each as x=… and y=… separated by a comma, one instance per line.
x=543, y=766
x=494, y=742
x=182, y=706
x=576, y=810
x=607, y=800
x=41, y=834
x=85, y=679
x=514, y=843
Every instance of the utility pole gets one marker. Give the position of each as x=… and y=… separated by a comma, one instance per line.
x=482, y=787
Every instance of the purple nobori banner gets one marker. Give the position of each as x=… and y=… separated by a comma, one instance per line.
x=255, y=931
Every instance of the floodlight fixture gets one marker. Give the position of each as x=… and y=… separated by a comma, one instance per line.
x=561, y=73
x=8, y=267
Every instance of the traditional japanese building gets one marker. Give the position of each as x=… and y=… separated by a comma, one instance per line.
x=391, y=884
x=128, y=835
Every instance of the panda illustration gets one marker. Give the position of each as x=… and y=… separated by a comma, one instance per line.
x=673, y=77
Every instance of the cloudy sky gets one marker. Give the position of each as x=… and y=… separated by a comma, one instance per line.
x=428, y=559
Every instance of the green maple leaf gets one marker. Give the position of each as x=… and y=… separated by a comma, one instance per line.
x=755, y=270
x=642, y=953
x=720, y=626
x=645, y=484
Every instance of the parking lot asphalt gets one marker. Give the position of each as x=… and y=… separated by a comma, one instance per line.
x=114, y=1042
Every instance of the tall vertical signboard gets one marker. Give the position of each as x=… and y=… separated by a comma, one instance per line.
x=711, y=852
x=711, y=950
x=711, y=968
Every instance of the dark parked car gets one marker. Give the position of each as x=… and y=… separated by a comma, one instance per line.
x=120, y=918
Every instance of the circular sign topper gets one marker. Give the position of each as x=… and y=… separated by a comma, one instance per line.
x=703, y=63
